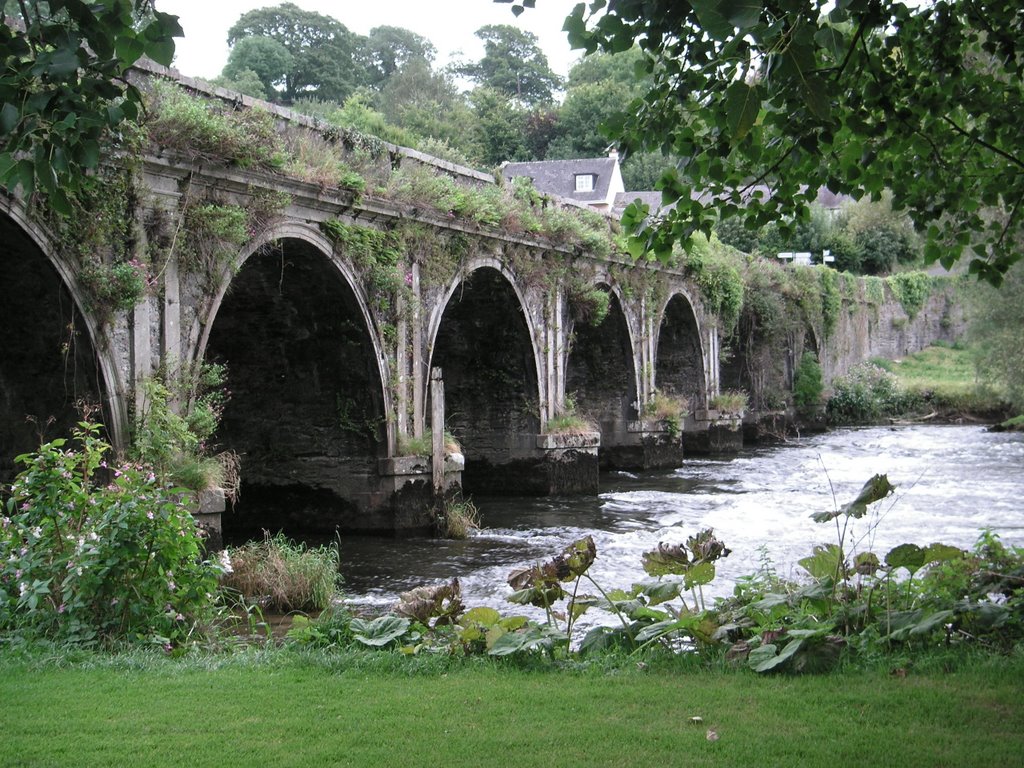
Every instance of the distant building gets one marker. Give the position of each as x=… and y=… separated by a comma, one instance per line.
x=597, y=182
x=594, y=182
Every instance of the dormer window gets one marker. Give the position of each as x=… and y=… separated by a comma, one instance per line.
x=584, y=182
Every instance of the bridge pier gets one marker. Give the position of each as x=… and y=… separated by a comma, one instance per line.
x=408, y=480
x=556, y=464
x=710, y=432
x=644, y=445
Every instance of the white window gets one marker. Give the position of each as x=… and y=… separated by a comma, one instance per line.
x=584, y=182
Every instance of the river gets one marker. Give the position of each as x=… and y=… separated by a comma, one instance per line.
x=951, y=483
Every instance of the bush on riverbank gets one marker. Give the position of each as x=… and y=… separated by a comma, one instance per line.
x=851, y=604
x=940, y=380
x=92, y=551
x=83, y=561
x=867, y=395
x=280, y=575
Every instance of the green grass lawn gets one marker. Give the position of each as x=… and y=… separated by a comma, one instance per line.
x=948, y=374
x=295, y=710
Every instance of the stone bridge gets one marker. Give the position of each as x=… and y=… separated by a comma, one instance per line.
x=330, y=309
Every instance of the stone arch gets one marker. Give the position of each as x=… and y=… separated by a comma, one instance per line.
x=301, y=231
x=680, y=359
x=601, y=373
x=483, y=338
x=44, y=365
x=441, y=304
x=309, y=410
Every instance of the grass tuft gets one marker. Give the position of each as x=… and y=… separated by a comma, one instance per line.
x=281, y=575
x=458, y=519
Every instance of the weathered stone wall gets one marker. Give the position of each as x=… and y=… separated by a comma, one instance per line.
x=885, y=330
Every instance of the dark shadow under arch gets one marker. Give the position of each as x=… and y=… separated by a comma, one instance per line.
x=306, y=410
x=600, y=375
x=491, y=392
x=680, y=361
x=48, y=366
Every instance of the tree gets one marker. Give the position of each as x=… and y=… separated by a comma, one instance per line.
x=428, y=104
x=387, y=50
x=500, y=126
x=857, y=96
x=997, y=330
x=513, y=64
x=265, y=56
x=63, y=86
x=323, y=50
x=246, y=82
x=599, y=89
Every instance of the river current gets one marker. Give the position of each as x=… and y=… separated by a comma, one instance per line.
x=951, y=482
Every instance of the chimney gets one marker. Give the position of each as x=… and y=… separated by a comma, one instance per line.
x=613, y=154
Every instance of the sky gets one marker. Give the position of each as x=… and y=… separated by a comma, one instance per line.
x=448, y=24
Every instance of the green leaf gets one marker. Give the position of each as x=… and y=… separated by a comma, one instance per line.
x=940, y=553
x=482, y=615
x=909, y=556
x=59, y=63
x=666, y=559
x=660, y=591
x=768, y=660
x=875, y=489
x=825, y=563
x=698, y=575
x=27, y=175
x=160, y=51
x=129, y=49
x=742, y=14
x=662, y=628
x=712, y=19
x=9, y=118
x=380, y=631
x=742, y=105
x=866, y=563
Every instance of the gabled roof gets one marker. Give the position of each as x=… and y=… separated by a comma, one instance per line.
x=558, y=177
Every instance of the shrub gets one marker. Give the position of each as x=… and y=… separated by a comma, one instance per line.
x=589, y=304
x=175, y=443
x=282, y=575
x=869, y=393
x=91, y=552
x=729, y=401
x=714, y=268
x=205, y=129
x=409, y=445
x=807, y=382
x=912, y=289
x=568, y=421
x=667, y=409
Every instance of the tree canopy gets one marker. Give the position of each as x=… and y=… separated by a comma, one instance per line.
x=62, y=86
x=324, y=60
x=513, y=64
x=859, y=96
x=387, y=50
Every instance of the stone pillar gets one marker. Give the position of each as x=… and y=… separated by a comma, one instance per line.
x=713, y=432
x=647, y=444
x=208, y=506
x=569, y=463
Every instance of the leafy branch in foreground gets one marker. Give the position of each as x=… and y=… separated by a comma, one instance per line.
x=763, y=102
x=63, y=87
